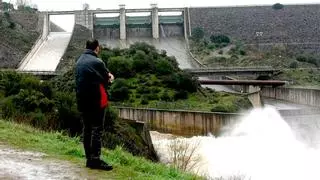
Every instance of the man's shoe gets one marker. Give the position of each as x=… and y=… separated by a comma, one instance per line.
x=98, y=164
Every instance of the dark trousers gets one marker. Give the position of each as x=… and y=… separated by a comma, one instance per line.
x=93, y=122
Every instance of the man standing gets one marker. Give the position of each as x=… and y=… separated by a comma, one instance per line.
x=92, y=78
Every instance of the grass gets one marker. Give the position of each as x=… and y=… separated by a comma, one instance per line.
x=198, y=101
x=56, y=145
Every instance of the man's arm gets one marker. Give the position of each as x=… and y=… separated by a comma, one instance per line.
x=103, y=72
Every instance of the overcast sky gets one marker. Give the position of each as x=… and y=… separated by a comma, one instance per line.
x=114, y=4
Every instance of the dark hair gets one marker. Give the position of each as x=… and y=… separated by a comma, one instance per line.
x=92, y=44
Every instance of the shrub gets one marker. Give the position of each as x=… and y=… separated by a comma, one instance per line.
x=197, y=33
x=144, y=100
x=309, y=59
x=181, y=94
x=164, y=67
x=181, y=81
x=277, y=6
x=119, y=90
x=121, y=67
x=293, y=65
x=141, y=62
x=165, y=96
x=106, y=55
x=228, y=108
x=242, y=52
x=12, y=25
x=143, y=47
x=219, y=39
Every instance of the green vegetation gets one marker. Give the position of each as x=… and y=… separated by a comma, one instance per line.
x=17, y=34
x=145, y=78
x=57, y=145
x=237, y=54
x=277, y=6
x=26, y=99
x=197, y=33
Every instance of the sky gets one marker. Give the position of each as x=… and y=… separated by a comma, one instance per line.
x=45, y=5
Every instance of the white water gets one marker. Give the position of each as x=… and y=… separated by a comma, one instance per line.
x=50, y=52
x=261, y=147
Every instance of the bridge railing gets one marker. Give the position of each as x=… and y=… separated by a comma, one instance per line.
x=269, y=68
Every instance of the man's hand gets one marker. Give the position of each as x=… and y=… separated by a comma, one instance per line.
x=111, y=77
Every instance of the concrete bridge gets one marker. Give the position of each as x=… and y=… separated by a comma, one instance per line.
x=89, y=19
x=236, y=71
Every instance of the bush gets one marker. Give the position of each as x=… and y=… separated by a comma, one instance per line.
x=165, y=96
x=146, y=48
x=197, y=33
x=141, y=62
x=219, y=39
x=293, y=65
x=106, y=55
x=227, y=108
x=277, y=6
x=164, y=67
x=121, y=67
x=242, y=52
x=144, y=100
x=181, y=81
x=181, y=94
x=119, y=90
x=309, y=59
x=12, y=25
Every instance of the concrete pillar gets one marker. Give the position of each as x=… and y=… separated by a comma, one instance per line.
x=84, y=18
x=185, y=23
x=155, y=21
x=123, y=33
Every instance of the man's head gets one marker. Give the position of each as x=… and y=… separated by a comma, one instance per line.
x=93, y=45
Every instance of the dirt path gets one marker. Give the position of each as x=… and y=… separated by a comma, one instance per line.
x=18, y=164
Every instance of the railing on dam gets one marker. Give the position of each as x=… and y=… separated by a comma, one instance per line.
x=234, y=71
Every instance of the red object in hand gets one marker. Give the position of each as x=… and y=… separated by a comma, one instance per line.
x=104, y=97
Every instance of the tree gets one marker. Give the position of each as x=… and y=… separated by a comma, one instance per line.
x=197, y=33
x=85, y=6
x=278, y=6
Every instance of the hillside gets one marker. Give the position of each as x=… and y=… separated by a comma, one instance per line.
x=223, y=51
x=18, y=32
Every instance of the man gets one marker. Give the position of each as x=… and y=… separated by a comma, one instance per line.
x=92, y=78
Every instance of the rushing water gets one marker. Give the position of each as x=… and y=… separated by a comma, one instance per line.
x=262, y=146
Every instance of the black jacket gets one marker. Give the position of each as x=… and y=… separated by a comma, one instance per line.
x=91, y=72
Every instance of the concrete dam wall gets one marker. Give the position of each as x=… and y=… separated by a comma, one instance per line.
x=294, y=24
x=180, y=122
x=165, y=31
x=296, y=95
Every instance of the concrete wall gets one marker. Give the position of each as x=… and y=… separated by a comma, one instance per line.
x=296, y=95
x=139, y=32
x=44, y=22
x=181, y=122
x=293, y=24
x=84, y=18
x=171, y=30
x=107, y=33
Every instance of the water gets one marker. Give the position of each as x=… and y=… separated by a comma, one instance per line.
x=49, y=53
x=163, y=34
x=262, y=146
